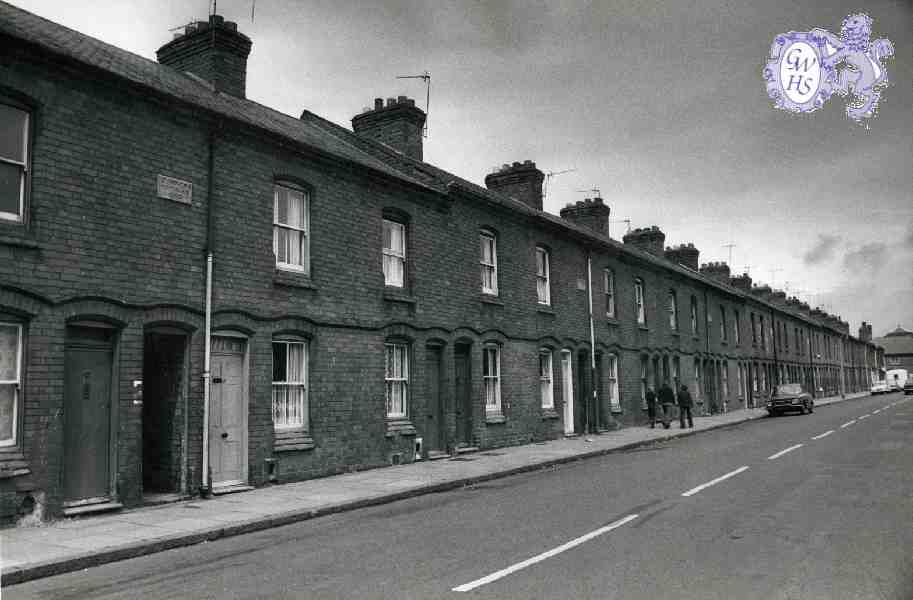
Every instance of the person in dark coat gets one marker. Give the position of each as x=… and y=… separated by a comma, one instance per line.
x=651, y=406
x=684, y=406
x=667, y=399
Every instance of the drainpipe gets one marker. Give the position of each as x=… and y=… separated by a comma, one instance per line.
x=206, y=471
x=705, y=386
x=589, y=287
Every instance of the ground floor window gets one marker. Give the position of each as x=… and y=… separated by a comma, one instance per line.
x=396, y=379
x=491, y=379
x=546, y=381
x=10, y=374
x=724, y=372
x=290, y=384
x=612, y=372
x=643, y=382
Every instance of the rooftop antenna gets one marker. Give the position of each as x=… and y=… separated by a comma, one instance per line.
x=730, y=245
x=426, y=77
x=772, y=273
x=595, y=190
x=253, y=5
x=548, y=177
x=747, y=269
x=627, y=221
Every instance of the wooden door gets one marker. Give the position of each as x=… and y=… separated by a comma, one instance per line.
x=567, y=396
x=434, y=430
x=462, y=374
x=88, y=362
x=228, y=413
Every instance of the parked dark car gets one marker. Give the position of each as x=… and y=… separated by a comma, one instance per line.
x=790, y=397
x=908, y=386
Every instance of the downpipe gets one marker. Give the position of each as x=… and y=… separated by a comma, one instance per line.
x=594, y=399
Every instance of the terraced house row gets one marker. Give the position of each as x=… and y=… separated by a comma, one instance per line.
x=199, y=294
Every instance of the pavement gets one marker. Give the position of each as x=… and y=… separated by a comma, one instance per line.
x=34, y=552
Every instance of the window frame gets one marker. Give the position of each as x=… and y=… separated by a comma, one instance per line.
x=612, y=377
x=486, y=235
x=543, y=280
x=694, y=316
x=492, y=380
x=392, y=252
x=673, y=310
x=724, y=325
x=644, y=361
x=736, y=328
x=608, y=280
x=306, y=194
x=397, y=380
x=16, y=385
x=304, y=412
x=23, y=165
x=546, y=380
x=640, y=308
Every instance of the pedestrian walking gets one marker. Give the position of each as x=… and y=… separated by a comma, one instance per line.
x=650, y=397
x=667, y=399
x=684, y=406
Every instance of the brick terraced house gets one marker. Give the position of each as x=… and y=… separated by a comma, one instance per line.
x=200, y=294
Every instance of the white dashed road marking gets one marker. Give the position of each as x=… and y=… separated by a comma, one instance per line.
x=864, y=417
x=823, y=435
x=875, y=412
x=848, y=423
x=466, y=587
x=693, y=491
x=782, y=452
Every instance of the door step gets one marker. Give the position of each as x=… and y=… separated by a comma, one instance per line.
x=231, y=489
x=437, y=455
x=155, y=499
x=85, y=509
x=466, y=449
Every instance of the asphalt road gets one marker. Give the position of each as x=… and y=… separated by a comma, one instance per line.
x=830, y=519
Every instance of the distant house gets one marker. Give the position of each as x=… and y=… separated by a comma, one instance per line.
x=898, y=349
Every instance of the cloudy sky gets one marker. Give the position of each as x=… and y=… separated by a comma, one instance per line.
x=658, y=104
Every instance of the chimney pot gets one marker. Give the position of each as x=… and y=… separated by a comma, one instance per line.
x=378, y=103
x=400, y=99
x=521, y=181
x=398, y=125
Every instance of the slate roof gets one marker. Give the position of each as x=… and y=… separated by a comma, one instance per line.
x=309, y=131
x=896, y=342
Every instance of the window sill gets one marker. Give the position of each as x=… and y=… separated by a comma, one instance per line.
x=494, y=419
x=296, y=279
x=15, y=233
x=13, y=464
x=643, y=327
x=549, y=414
x=399, y=425
x=612, y=321
x=676, y=333
x=292, y=439
x=490, y=299
x=394, y=294
x=545, y=309
x=615, y=410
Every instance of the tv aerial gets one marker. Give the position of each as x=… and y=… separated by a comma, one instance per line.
x=426, y=77
x=548, y=177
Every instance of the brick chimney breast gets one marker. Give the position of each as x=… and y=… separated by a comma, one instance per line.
x=521, y=181
x=399, y=125
x=213, y=50
x=682, y=254
x=718, y=271
x=590, y=213
x=648, y=239
x=742, y=282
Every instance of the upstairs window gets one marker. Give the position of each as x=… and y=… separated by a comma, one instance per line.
x=14, y=138
x=723, y=326
x=543, y=289
x=10, y=381
x=394, y=253
x=639, y=308
x=491, y=379
x=608, y=278
x=291, y=238
x=754, y=330
x=763, y=333
x=736, y=329
x=673, y=312
x=396, y=379
x=488, y=260
x=290, y=405
x=693, y=315
x=546, y=382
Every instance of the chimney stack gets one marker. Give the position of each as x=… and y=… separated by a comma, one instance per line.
x=398, y=124
x=592, y=214
x=684, y=255
x=761, y=291
x=865, y=332
x=648, y=239
x=742, y=282
x=521, y=181
x=213, y=50
x=718, y=271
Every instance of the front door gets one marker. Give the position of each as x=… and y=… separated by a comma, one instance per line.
x=463, y=385
x=434, y=434
x=567, y=395
x=228, y=413
x=88, y=361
